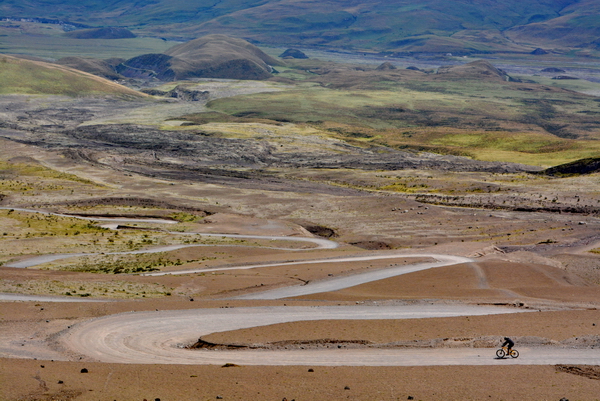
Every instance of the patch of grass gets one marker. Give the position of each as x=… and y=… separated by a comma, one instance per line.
x=404, y=187
x=19, y=76
x=184, y=217
x=36, y=170
x=578, y=85
x=490, y=121
x=119, y=264
x=40, y=225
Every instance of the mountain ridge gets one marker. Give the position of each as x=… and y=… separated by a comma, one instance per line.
x=464, y=26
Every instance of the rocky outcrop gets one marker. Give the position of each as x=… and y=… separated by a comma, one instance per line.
x=180, y=92
x=293, y=53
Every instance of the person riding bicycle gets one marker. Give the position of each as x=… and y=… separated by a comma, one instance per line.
x=508, y=343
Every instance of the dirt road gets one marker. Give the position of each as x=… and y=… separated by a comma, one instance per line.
x=159, y=337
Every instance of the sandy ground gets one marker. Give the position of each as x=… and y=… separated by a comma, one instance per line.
x=45, y=380
x=558, y=283
x=451, y=284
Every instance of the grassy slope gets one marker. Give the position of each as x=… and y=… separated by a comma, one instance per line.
x=18, y=76
x=376, y=24
x=123, y=12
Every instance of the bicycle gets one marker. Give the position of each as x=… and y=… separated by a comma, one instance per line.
x=502, y=352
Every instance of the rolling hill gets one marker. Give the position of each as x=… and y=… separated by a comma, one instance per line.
x=401, y=26
x=211, y=56
x=19, y=76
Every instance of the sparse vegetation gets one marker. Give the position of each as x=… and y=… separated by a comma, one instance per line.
x=119, y=264
x=113, y=289
x=485, y=120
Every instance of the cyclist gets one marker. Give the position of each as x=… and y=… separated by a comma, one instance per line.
x=508, y=343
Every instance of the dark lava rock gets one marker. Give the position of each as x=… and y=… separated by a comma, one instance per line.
x=539, y=52
x=583, y=166
x=321, y=231
x=554, y=70
x=293, y=53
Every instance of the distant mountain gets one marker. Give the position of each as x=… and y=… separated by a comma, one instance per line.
x=396, y=26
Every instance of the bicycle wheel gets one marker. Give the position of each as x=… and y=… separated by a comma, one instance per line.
x=500, y=353
x=514, y=353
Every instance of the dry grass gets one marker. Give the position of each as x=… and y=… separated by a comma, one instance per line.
x=19, y=76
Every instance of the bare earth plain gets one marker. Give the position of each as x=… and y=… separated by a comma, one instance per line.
x=542, y=263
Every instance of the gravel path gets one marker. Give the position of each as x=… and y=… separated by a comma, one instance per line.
x=158, y=337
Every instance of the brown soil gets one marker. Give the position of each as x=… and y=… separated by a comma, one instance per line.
x=29, y=380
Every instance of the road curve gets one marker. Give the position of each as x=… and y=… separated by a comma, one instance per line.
x=338, y=283
x=158, y=337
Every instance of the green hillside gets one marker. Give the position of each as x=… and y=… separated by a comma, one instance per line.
x=462, y=26
x=18, y=76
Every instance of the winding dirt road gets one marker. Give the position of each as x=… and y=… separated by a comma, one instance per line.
x=159, y=337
